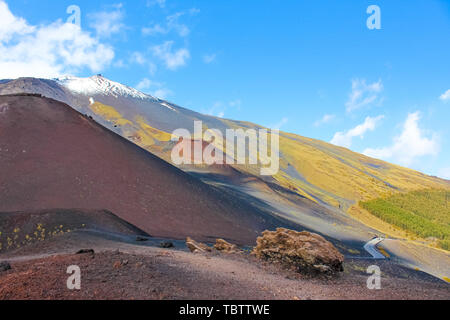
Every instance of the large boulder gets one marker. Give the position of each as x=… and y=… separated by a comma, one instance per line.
x=304, y=251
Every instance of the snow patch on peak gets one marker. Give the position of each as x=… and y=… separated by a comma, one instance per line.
x=165, y=104
x=101, y=86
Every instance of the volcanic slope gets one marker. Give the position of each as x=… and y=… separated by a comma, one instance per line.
x=51, y=156
x=321, y=172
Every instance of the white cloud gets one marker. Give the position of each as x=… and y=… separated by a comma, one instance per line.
x=409, y=145
x=444, y=173
x=119, y=64
x=172, y=24
x=107, y=23
x=137, y=57
x=344, y=139
x=154, y=88
x=324, y=120
x=194, y=11
x=144, y=84
x=152, y=68
x=363, y=94
x=172, y=59
x=47, y=51
x=235, y=104
x=142, y=60
x=445, y=96
x=219, y=107
x=11, y=25
x=160, y=3
x=279, y=124
x=209, y=58
x=156, y=29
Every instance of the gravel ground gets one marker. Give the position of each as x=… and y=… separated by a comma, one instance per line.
x=120, y=270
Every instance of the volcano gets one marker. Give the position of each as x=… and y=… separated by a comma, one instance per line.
x=52, y=156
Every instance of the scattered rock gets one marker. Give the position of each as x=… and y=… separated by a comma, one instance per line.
x=304, y=251
x=166, y=244
x=4, y=266
x=195, y=246
x=224, y=246
x=86, y=251
x=141, y=239
x=119, y=264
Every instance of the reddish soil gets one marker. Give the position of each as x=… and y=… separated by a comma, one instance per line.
x=26, y=228
x=54, y=157
x=152, y=273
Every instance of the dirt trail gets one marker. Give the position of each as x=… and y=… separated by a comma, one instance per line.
x=126, y=270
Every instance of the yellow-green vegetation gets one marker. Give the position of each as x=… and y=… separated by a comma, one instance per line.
x=344, y=248
x=383, y=252
x=155, y=133
x=388, y=230
x=323, y=172
x=340, y=177
x=317, y=170
x=139, y=131
x=109, y=113
x=424, y=213
x=146, y=136
x=17, y=238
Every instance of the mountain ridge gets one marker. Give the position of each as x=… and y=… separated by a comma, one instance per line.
x=318, y=187
x=312, y=168
x=51, y=156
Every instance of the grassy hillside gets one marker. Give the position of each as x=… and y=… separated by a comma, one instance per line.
x=340, y=177
x=317, y=170
x=424, y=213
x=312, y=168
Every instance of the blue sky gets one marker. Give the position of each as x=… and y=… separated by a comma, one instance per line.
x=309, y=67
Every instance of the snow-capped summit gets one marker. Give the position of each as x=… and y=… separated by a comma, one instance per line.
x=99, y=85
